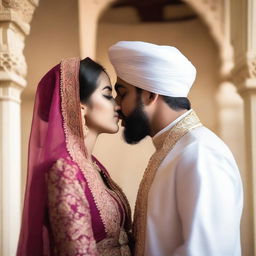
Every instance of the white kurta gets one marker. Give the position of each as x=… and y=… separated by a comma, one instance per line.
x=195, y=201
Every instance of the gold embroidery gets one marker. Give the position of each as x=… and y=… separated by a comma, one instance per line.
x=119, y=195
x=72, y=122
x=113, y=247
x=69, y=212
x=164, y=144
x=124, y=202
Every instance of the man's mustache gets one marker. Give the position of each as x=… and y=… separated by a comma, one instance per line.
x=121, y=115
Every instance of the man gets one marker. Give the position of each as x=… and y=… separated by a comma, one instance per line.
x=190, y=199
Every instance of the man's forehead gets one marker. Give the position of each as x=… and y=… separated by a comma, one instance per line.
x=122, y=84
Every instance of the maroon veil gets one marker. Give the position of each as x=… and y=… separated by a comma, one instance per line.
x=48, y=142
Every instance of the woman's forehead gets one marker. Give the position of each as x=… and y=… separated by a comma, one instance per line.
x=104, y=81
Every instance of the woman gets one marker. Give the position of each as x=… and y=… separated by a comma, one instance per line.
x=72, y=207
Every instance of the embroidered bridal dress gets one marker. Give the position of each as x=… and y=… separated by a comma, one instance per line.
x=71, y=207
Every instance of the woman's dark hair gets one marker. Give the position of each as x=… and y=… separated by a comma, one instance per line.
x=89, y=72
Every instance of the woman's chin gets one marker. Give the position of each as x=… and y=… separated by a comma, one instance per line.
x=116, y=129
x=113, y=130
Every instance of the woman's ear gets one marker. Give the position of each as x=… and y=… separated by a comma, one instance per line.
x=84, y=111
x=83, y=108
x=149, y=97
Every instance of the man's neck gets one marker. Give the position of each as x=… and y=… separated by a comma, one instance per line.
x=163, y=118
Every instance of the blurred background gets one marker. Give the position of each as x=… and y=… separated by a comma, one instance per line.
x=208, y=32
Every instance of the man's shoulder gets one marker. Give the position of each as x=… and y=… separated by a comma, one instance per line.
x=202, y=137
x=199, y=140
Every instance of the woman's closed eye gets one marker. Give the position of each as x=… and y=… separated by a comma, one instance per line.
x=107, y=92
x=109, y=97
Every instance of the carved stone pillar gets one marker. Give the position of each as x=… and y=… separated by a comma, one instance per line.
x=243, y=31
x=15, y=16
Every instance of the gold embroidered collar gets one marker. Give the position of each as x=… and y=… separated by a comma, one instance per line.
x=158, y=141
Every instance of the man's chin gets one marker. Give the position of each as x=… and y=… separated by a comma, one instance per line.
x=132, y=140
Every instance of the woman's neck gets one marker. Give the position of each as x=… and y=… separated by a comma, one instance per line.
x=90, y=141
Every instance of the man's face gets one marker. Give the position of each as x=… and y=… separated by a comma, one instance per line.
x=133, y=116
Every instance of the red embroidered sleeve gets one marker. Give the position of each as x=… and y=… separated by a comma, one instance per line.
x=69, y=212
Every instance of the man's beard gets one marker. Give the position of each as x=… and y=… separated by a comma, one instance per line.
x=137, y=125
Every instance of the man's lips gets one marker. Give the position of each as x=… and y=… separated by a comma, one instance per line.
x=121, y=115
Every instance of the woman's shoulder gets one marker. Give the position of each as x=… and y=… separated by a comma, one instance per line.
x=63, y=161
x=64, y=167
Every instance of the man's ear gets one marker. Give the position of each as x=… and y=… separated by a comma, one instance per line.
x=148, y=97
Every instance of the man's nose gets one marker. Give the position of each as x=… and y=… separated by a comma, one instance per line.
x=117, y=105
x=117, y=100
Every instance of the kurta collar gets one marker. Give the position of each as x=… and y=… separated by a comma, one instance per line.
x=159, y=138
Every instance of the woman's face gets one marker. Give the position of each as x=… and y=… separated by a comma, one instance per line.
x=101, y=114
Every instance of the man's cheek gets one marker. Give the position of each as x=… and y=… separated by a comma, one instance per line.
x=127, y=109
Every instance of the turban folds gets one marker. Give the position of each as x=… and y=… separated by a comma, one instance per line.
x=156, y=68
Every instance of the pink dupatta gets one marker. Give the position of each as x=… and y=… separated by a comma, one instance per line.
x=47, y=144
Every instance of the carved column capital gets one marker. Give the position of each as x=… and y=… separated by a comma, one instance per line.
x=212, y=12
x=15, y=16
x=18, y=11
x=244, y=74
x=215, y=14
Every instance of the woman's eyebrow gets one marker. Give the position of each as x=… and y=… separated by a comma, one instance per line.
x=107, y=88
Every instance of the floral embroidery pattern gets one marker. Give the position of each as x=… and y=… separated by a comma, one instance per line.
x=112, y=247
x=119, y=195
x=164, y=144
x=69, y=212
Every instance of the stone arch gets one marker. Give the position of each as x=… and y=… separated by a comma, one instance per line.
x=214, y=15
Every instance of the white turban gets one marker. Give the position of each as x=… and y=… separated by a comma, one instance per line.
x=156, y=68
